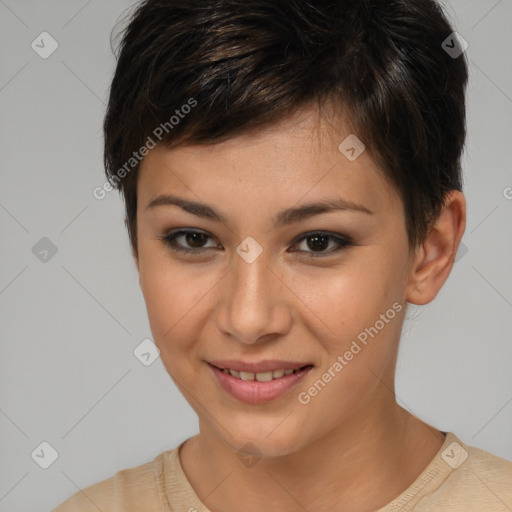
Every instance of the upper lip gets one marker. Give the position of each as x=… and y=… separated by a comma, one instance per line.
x=268, y=365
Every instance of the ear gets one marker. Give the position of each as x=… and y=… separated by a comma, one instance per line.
x=434, y=259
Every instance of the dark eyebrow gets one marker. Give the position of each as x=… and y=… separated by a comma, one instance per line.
x=284, y=217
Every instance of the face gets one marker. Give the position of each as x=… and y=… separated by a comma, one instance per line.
x=323, y=289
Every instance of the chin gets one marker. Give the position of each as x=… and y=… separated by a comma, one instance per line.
x=263, y=441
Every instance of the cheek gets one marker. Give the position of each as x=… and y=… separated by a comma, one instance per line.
x=356, y=313
x=344, y=301
x=171, y=297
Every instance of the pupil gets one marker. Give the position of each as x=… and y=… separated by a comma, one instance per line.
x=193, y=237
x=316, y=245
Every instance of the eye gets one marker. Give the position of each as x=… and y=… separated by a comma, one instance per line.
x=193, y=237
x=318, y=241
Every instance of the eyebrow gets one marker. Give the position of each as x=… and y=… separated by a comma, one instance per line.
x=284, y=217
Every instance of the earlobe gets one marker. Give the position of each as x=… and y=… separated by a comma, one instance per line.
x=434, y=260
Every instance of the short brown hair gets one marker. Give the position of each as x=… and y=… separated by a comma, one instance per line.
x=248, y=63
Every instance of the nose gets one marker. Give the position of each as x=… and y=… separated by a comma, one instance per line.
x=253, y=304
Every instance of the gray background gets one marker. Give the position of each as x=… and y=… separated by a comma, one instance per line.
x=68, y=375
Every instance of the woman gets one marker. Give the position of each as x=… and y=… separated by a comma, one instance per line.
x=291, y=175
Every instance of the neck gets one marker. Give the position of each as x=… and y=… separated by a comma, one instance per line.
x=364, y=464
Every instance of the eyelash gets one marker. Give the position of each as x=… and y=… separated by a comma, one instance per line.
x=342, y=241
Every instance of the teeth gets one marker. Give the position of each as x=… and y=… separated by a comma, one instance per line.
x=264, y=376
x=260, y=377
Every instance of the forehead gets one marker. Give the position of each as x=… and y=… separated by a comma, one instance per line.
x=295, y=161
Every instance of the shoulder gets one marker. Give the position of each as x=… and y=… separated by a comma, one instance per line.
x=491, y=470
x=460, y=478
x=478, y=480
x=132, y=489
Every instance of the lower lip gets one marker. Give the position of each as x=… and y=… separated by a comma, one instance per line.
x=256, y=392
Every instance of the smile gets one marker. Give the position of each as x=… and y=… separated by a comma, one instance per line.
x=261, y=376
x=259, y=387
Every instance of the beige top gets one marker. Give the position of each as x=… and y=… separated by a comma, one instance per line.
x=459, y=478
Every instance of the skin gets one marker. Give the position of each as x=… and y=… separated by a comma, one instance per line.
x=351, y=443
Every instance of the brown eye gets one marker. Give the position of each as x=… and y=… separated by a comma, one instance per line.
x=193, y=239
x=318, y=242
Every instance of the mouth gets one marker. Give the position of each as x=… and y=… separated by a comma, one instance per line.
x=259, y=387
x=266, y=376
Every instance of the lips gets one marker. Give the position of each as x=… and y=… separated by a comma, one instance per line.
x=256, y=387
